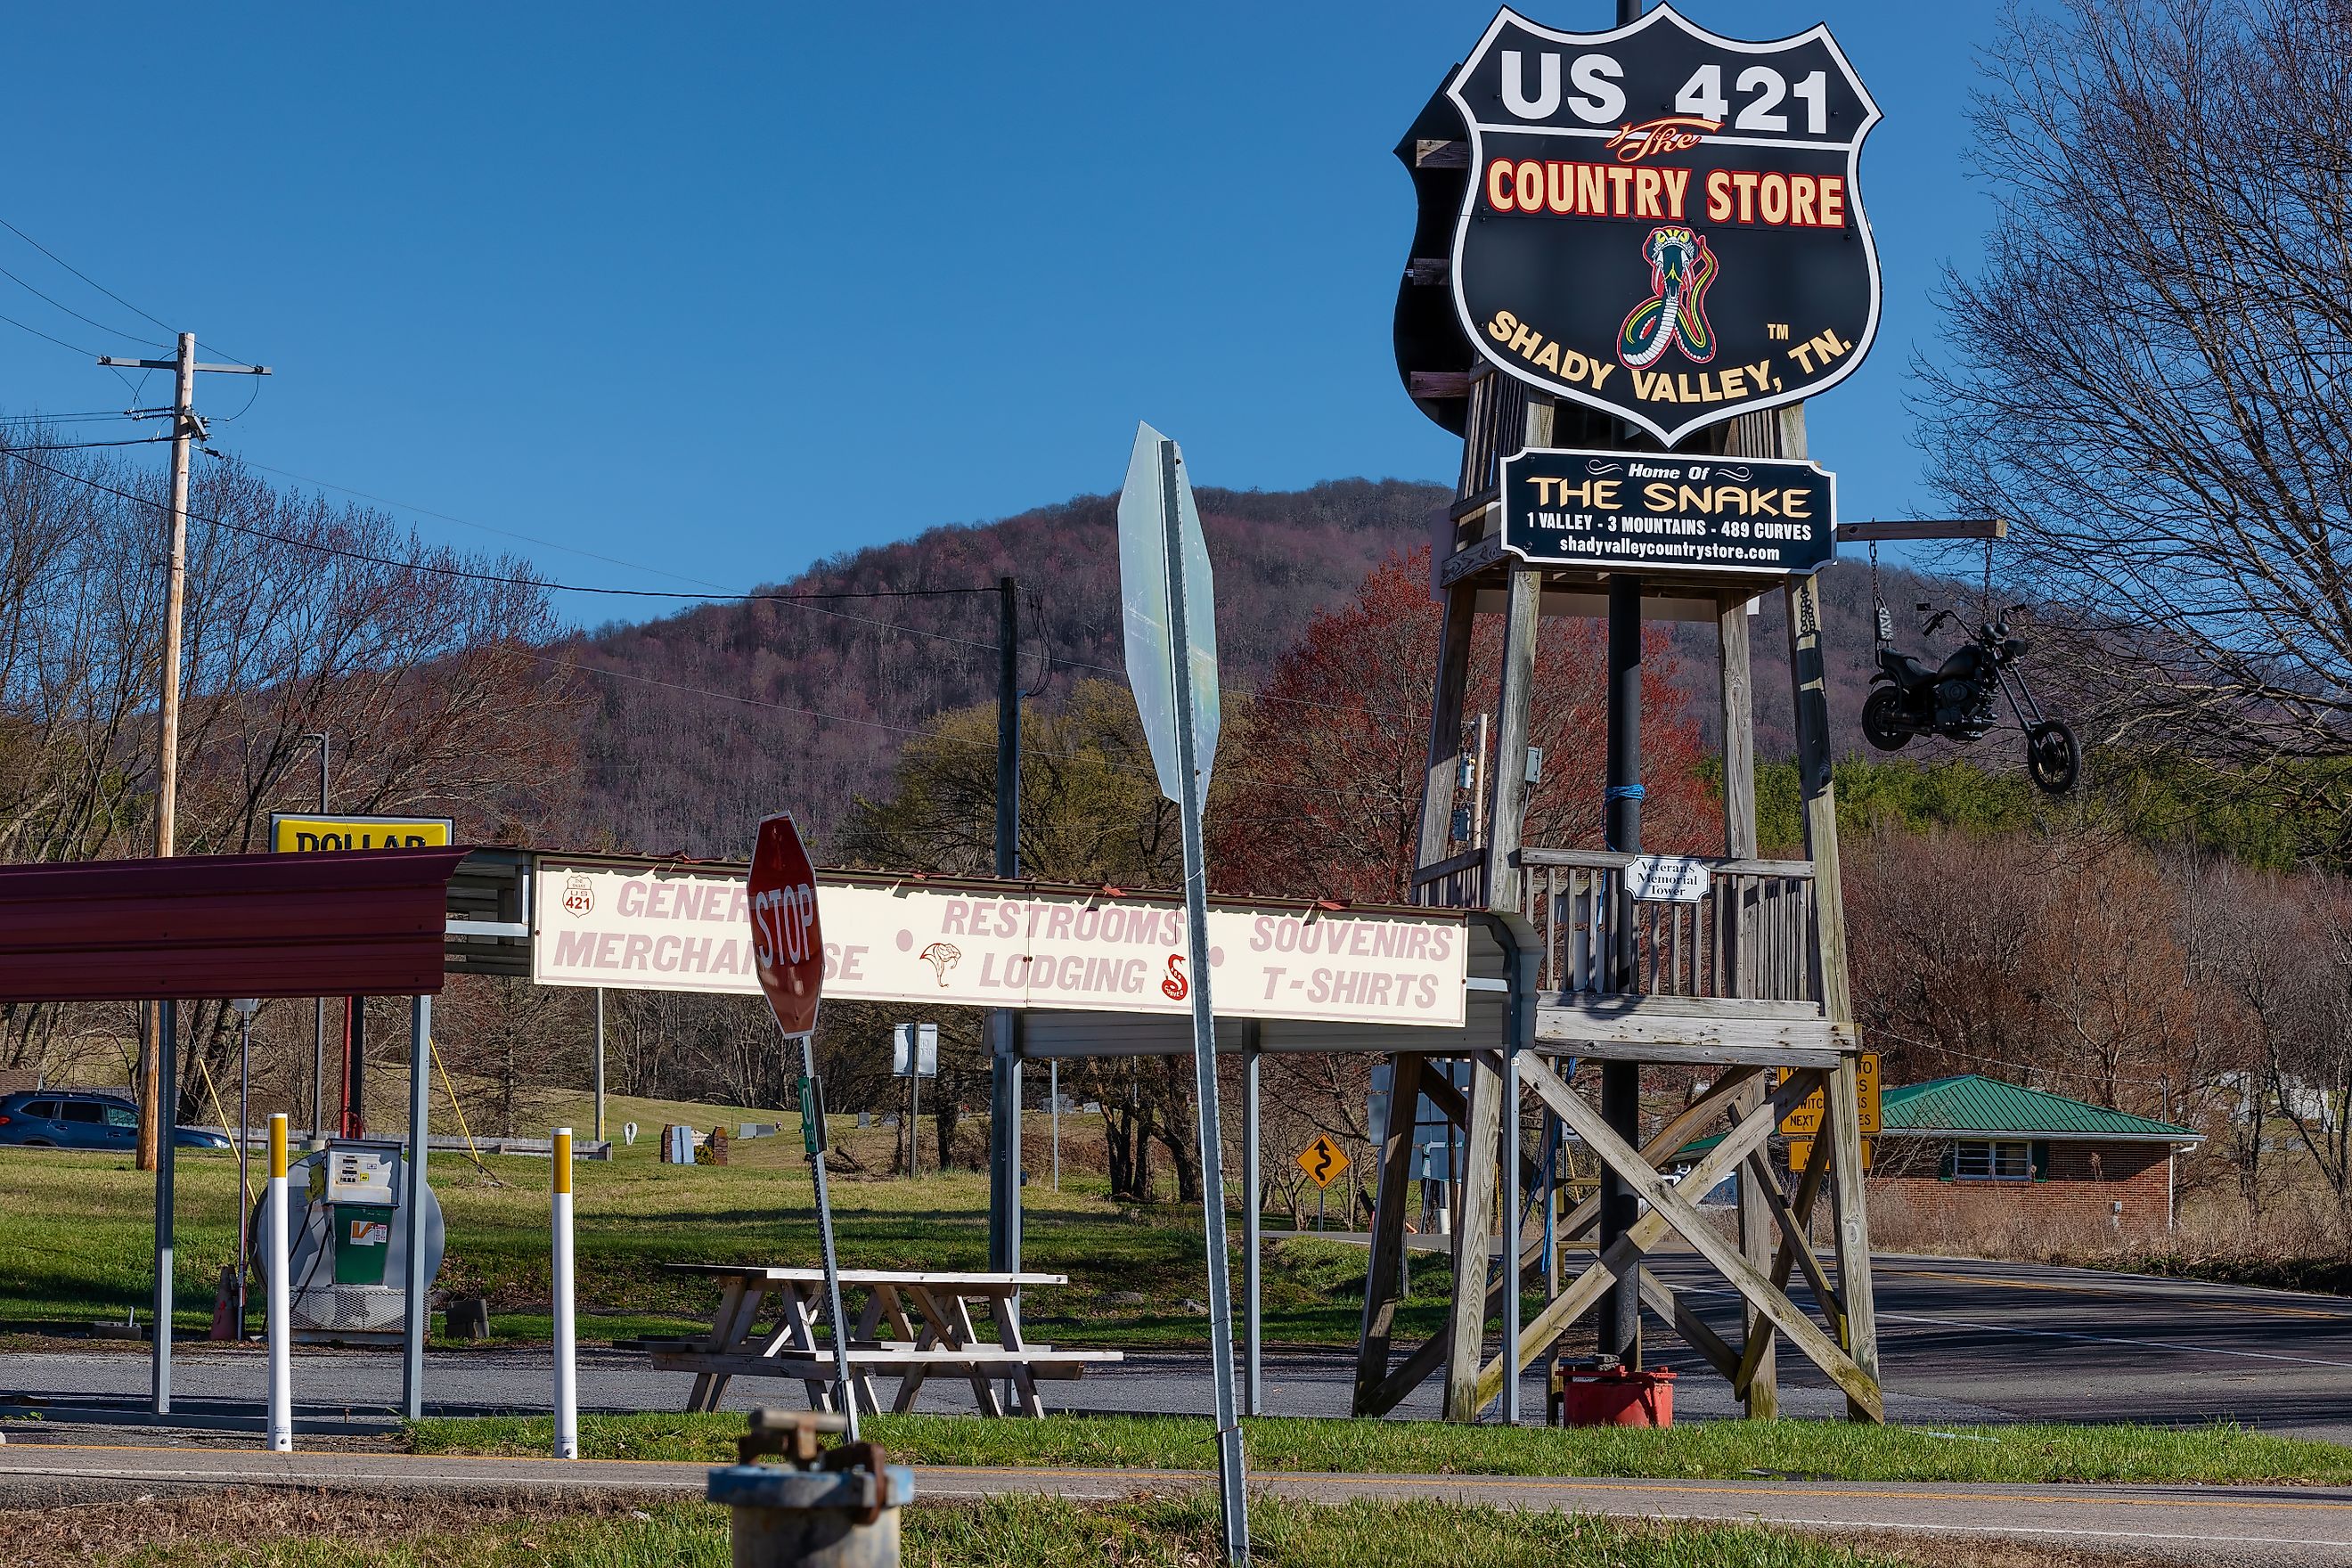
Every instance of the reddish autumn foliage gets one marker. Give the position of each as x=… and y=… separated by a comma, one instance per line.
x=1321, y=782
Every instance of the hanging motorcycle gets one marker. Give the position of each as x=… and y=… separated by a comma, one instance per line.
x=1955, y=699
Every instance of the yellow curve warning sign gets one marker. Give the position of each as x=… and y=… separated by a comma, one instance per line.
x=1322, y=1160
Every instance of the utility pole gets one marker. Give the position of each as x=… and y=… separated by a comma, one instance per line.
x=318, y=1003
x=1005, y=1098
x=185, y=425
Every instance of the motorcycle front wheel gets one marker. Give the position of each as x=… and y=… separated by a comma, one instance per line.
x=2051, y=757
x=1881, y=721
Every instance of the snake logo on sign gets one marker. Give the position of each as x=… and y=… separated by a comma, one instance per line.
x=1322, y=1160
x=1657, y=221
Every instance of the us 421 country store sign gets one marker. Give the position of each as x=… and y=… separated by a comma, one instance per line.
x=1660, y=222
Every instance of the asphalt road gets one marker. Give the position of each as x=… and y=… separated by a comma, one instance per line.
x=2241, y=1527
x=1959, y=1341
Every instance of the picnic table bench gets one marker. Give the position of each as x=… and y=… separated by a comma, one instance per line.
x=913, y=1323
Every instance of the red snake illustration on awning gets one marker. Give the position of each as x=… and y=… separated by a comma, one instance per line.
x=1681, y=267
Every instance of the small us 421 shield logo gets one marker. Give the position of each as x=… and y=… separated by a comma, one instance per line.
x=1662, y=222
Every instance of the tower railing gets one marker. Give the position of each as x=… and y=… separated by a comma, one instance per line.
x=1748, y=937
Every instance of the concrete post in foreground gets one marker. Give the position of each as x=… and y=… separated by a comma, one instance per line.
x=835, y=1508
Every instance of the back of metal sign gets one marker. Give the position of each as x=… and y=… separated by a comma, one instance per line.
x=1152, y=642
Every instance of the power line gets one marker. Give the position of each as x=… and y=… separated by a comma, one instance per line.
x=9, y=450
x=60, y=341
x=1026, y=752
x=85, y=277
x=1267, y=696
x=77, y=315
x=481, y=527
x=721, y=595
x=509, y=581
x=250, y=399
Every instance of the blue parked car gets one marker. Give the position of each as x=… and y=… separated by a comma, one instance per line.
x=57, y=1119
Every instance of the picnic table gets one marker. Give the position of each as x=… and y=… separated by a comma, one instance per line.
x=914, y=1323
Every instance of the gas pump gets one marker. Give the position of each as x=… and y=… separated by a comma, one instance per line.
x=347, y=1241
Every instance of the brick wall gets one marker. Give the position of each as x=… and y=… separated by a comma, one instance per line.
x=2081, y=1181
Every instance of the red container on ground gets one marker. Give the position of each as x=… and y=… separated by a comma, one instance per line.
x=1614, y=1397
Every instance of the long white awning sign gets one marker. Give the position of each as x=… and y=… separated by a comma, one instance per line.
x=633, y=928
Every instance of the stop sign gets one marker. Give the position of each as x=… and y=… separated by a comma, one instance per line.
x=786, y=947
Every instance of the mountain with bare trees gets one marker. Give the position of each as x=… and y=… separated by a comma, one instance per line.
x=704, y=722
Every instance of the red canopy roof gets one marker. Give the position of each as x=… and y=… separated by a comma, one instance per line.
x=366, y=922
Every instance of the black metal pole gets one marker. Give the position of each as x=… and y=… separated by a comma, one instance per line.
x=1621, y=1082
x=1004, y=1083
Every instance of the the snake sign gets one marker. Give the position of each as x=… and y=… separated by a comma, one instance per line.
x=1772, y=516
x=1662, y=222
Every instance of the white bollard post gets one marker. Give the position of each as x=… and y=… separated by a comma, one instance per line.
x=279, y=1327
x=567, y=1389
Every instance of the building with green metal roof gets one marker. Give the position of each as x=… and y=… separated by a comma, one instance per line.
x=1971, y=1153
x=1962, y=1156
x=1973, y=1105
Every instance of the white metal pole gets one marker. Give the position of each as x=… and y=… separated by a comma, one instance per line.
x=278, y=1305
x=567, y=1372
x=1232, y=1468
x=1053, y=1099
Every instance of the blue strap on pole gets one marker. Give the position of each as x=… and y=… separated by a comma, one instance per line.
x=1625, y=791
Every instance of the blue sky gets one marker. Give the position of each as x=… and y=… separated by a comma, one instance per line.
x=720, y=291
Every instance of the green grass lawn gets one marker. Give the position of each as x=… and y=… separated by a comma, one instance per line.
x=249, y=1528
x=1702, y=1450
x=76, y=1244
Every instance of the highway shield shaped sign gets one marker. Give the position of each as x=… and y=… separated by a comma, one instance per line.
x=1322, y=1160
x=1662, y=222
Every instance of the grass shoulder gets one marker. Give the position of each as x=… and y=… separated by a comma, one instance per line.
x=265, y=1528
x=2021, y=1454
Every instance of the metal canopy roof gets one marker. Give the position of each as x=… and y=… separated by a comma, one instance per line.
x=370, y=922
x=1972, y=1105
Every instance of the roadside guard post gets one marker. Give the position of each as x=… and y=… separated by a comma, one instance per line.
x=837, y=1508
x=279, y=1328
x=788, y=952
x=1171, y=667
x=567, y=1372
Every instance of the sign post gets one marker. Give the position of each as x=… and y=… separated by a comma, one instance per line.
x=1322, y=1160
x=788, y=953
x=914, y=1056
x=1167, y=603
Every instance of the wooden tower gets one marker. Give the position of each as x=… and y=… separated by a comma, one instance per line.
x=1751, y=982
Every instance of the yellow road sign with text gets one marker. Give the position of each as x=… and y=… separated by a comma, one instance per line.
x=1801, y=1154
x=1322, y=1160
x=296, y=835
x=1804, y=1120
